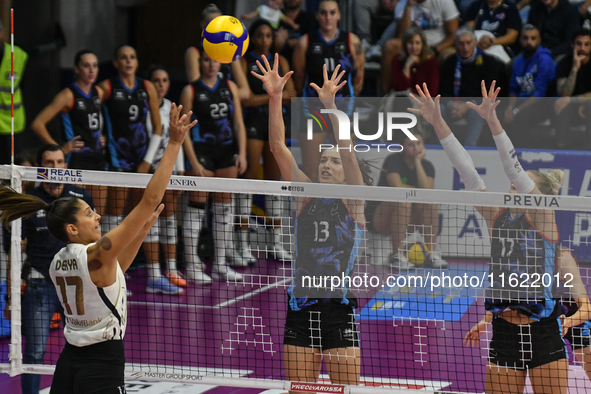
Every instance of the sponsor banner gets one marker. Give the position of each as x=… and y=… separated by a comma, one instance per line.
x=317, y=387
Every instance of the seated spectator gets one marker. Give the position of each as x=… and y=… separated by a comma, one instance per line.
x=415, y=65
x=573, y=74
x=437, y=18
x=557, y=21
x=272, y=14
x=460, y=76
x=362, y=12
x=496, y=24
x=411, y=170
x=286, y=37
x=533, y=72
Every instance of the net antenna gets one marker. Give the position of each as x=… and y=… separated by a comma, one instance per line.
x=12, y=85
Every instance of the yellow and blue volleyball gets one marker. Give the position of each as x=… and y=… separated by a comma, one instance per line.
x=417, y=253
x=225, y=39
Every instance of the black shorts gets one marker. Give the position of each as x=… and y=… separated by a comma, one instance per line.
x=334, y=327
x=257, y=126
x=526, y=346
x=215, y=157
x=578, y=337
x=95, y=162
x=94, y=369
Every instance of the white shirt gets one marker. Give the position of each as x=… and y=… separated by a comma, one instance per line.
x=165, y=120
x=430, y=16
x=89, y=318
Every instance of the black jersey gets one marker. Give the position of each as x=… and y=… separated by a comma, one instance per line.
x=126, y=111
x=327, y=242
x=256, y=85
x=519, y=251
x=338, y=51
x=225, y=69
x=214, y=110
x=84, y=119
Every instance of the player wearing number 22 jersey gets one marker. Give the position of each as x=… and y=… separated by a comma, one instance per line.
x=125, y=115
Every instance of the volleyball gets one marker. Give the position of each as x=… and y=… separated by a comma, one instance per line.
x=417, y=253
x=225, y=39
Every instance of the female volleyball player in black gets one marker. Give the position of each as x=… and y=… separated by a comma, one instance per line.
x=215, y=147
x=328, y=233
x=256, y=121
x=328, y=46
x=79, y=105
x=526, y=324
x=88, y=274
x=128, y=100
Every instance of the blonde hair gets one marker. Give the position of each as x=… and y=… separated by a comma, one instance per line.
x=550, y=182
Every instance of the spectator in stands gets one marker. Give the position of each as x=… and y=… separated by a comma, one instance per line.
x=20, y=61
x=497, y=24
x=557, y=21
x=416, y=64
x=437, y=18
x=410, y=170
x=40, y=301
x=460, y=76
x=286, y=37
x=271, y=13
x=363, y=11
x=573, y=74
x=533, y=73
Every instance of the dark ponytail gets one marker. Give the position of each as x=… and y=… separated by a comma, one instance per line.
x=60, y=212
x=364, y=166
x=15, y=205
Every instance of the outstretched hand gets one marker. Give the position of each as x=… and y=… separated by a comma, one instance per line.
x=270, y=77
x=179, y=125
x=331, y=86
x=487, y=109
x=428, y=108
x=472, y=338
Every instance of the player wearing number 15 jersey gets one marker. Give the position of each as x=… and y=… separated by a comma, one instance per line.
x=80, y=107
x=88, y=273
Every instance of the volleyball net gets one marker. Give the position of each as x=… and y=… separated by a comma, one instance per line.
x=418, y=290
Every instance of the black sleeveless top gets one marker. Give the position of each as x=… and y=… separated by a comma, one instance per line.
x=84, y=119
x=327, y=242
x=214, y=110
x=126, y=111
x=333, y=53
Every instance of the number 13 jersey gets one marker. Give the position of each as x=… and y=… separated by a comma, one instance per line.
x=93, y=314
x=327, y=243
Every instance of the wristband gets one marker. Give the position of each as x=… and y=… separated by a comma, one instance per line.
x=152, y=148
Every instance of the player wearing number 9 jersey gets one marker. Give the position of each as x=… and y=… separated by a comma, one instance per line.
x=88, y=273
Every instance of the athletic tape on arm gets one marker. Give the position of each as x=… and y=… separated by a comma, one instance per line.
x=522, y=182
x=462, y=163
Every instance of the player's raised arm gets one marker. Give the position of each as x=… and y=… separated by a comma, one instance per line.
x=274, y=84
x=326, y=94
